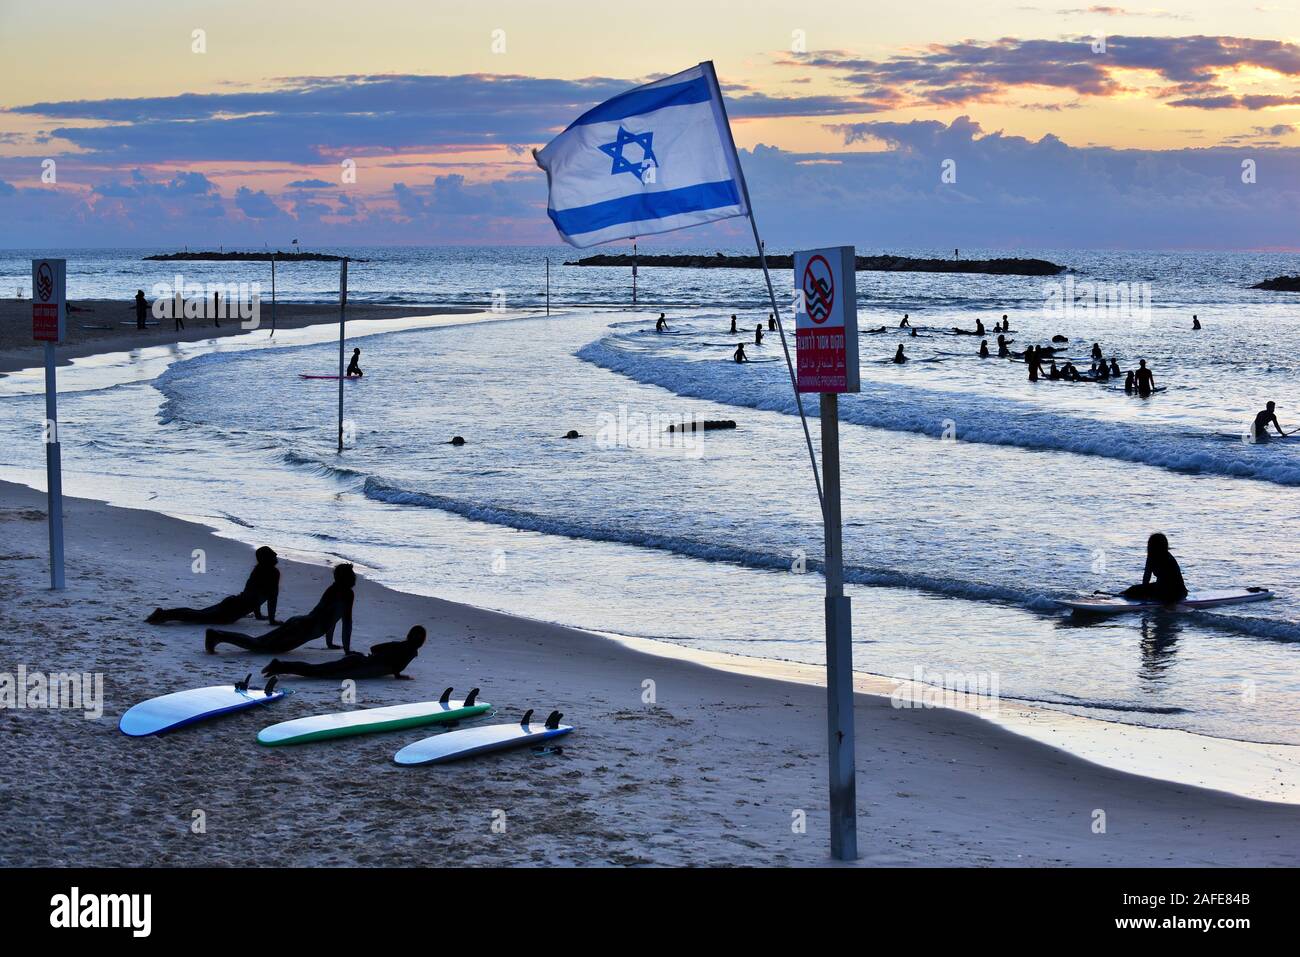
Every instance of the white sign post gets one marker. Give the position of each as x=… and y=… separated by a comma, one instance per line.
x=826, y=338
x=49, y=324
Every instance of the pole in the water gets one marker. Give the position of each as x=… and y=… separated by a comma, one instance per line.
x=343, y=315
x=49, y=324
x=826, y=342
x=633, y=273
x=548, y=285
x=273, y=295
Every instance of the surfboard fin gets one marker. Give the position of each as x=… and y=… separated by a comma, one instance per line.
x=243, y=685
x=553, y=720
x=270, y=685
x=469, y=700
x=446, y=696
x=528, y=716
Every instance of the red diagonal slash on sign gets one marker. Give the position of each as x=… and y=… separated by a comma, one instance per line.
x=818, y=289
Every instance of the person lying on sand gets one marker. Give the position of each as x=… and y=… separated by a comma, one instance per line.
x=1168, y=585
x=262, y=588
x=390, y=658
x=335, y=605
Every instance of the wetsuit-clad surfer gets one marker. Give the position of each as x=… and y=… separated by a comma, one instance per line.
x=1144, y=380
x=1196, y=323
x=354, y=367
x=1034, y=360
x=335, y=606
x=1262, y=420
x=1130, y=382
x=1096, y=352
x=1003, y=351
x=905, y=324
x=661, y=323
x=898, y=356
x=390, y=658
x=758, y=334
x=1168, y=585
x=733, y=323
x=739, y=354
x=1114, y=367
x=771, y=322
x=984, y=348
x=262, y=588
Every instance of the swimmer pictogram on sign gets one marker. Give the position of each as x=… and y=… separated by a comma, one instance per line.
x=826, y=320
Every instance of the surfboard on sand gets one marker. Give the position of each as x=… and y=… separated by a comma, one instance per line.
x=1101, y=603
x=180, y=708
x=469, y=741
x=343, y=724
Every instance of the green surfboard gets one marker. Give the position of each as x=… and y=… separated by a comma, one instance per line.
x=344, y=724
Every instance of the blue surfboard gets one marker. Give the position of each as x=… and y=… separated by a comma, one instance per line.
x=454, y=745
x=180, y=708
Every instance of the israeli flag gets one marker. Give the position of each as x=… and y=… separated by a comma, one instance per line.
x=650, y=160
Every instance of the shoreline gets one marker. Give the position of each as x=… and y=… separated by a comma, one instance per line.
x=710, y=772
x=1159, y=753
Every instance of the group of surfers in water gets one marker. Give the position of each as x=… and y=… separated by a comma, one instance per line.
x=332, y=610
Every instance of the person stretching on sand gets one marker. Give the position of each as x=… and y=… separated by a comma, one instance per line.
x=1143, y=378
x=262, y=588
x=739, y=354
x=390, y=658
x=1168, y=585
x=354, y=367
x=1262, y=420
x=335, y=605
x=661, y=323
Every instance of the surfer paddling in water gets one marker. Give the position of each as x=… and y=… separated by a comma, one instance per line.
x=335, y=606
x=389, y=658
x=1263, y=418
x=262, y=588
x=1161, y=565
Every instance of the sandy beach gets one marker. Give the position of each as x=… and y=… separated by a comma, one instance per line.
x=714, y=772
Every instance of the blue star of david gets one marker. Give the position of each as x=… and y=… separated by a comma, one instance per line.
x=615, y=151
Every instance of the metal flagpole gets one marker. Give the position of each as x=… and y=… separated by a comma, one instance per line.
x=343, y=308
x=548, y=285
x=53, y=470
x=633, y=273
x=839, y=629
x=272, y=296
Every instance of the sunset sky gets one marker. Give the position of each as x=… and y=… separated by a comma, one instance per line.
x=844, y=112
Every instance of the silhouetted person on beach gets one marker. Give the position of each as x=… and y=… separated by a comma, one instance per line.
x=141, y=309
x=733, y=323
x=216, y=308
x=335, y=606
x=262, y=588
x=739, y=354
x=758, y=334
x=389, y=658
x=1262, y=420
x=1161, y=565
x=899, y=358
x=984, y=348
x=354, y=367
x=1145, y=381
x=1196, y=323
x=661, y=323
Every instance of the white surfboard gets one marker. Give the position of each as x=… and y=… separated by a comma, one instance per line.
x=1117, y=605
x=493, y=737
x=344, y=724
x=180, y=708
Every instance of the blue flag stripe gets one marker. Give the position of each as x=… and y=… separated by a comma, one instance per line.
x=636, y=102
x=642, y=207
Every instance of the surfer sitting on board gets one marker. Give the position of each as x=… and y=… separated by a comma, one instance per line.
x=906, y=323
x=984, y=348
x=335, y=605
x=390, y=658
x=262, y=588
x=1168, y=585
x=1262, y=420
x=354, y=367
x=661, y=323
x=739, y=354
x=898, y=356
